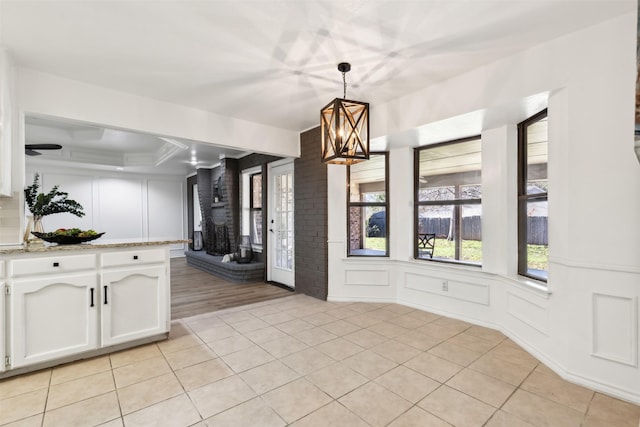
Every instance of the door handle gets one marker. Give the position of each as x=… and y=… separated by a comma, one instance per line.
x=92, y=297
x=105, y=296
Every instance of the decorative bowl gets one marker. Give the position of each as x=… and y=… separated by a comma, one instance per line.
x=61, y=239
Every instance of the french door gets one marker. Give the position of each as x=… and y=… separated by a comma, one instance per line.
x=280, y=241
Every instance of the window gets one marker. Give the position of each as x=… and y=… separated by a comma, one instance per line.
x=533, y=248
x=368, y=206
x=255, y=207
x=448, y=201
x=251, y=203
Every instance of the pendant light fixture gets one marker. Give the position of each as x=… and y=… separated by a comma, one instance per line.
x=345, y=128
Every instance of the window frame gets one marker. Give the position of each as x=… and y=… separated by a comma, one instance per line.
x=523, y=197
x=455, y=203
x=252, y=208
x=384, y=204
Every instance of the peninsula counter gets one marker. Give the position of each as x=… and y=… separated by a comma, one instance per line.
x=66, y=302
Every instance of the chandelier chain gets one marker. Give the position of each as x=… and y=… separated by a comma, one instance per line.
x=344, y=83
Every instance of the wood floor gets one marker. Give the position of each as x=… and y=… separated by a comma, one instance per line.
x=195, y=292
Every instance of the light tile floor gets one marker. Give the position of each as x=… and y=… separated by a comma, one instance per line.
x=303, y=362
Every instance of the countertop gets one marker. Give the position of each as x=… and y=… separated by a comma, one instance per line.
x=52, y=247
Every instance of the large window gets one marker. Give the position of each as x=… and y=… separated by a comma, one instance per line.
x=251, y=203
x=533, y=246
x=448, y=202
x=368, y=207
x=255, y=207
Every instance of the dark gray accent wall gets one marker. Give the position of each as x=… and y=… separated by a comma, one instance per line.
x=230, y=193
x=311, y=234
x=203, y=179
x=191, y=181
x=250, y=161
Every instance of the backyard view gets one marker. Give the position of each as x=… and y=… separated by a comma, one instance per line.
x=472, y=251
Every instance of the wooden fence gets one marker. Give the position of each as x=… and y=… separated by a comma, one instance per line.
x=537, y=228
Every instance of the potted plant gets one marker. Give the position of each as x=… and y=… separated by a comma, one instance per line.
x=41, y=205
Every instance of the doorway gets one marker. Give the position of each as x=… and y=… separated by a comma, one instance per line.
x=280, y=243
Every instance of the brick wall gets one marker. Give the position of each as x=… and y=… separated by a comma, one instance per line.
x=310, y=193
x=230, y=194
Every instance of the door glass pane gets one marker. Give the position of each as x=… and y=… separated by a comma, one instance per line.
x=284, y=221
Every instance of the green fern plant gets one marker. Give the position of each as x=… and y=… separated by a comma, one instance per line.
x=55, y=201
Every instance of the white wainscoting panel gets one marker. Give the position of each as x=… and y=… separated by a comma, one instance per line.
x=465, y=291
x=615, y=331
x=121, y=208
x=368, y=277
x=165, y=209
x=528, y=312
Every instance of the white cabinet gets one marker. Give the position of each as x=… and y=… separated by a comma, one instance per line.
x=53, y=265
x=134, y=302
x=2, y=317
x=63, y=303
x=53, y=317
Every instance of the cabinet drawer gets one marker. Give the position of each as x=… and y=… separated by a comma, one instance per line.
x=148, y=256
x=59, y=264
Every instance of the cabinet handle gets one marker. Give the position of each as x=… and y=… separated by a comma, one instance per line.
x=91, y=297
x=135, y=257
x=56, y=264
x=105, y=296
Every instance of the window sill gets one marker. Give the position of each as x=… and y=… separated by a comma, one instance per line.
x=446, y=261
x=532, y=285
x=366, y=257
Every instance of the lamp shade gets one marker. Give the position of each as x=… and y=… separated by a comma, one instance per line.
x=345, y=131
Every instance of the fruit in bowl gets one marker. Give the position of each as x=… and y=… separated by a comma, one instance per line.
x=68, y=236
x=74, y=232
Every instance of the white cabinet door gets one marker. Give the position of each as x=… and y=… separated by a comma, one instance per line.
x=133, y=303
x=2, y=320
x=53, y=317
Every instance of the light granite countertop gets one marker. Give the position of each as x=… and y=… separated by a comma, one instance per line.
x=52, y=247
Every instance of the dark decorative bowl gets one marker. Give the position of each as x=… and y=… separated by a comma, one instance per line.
x=64, y=240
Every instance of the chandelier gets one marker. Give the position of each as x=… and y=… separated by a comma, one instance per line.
x=345, y=128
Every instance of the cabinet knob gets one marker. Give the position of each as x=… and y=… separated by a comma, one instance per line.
x=135, y=257
x=56, y=264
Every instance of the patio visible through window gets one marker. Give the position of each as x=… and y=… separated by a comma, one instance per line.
x=448, y=199
x=533, y=183
x=368, y=228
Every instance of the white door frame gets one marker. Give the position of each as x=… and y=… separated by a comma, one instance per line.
x=285, y=276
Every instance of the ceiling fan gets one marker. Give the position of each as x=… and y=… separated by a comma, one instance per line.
x=29, y=149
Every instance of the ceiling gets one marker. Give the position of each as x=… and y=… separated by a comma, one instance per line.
x=274, y=62
x=100, y=148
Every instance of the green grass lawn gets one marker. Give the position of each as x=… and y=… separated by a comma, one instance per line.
x=471, y=251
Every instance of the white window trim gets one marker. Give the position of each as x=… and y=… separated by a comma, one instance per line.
x=245, y=220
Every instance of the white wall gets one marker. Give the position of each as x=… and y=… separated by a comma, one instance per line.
x=40, y=93
x=126, y=207
x=585, y=326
